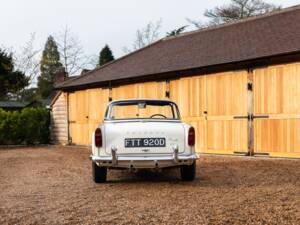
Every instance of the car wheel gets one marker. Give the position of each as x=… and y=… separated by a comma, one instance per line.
x=188, y=172
x=99, y=173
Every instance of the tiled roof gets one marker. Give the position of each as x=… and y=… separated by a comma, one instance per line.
x=269, y=35
x=13, y=104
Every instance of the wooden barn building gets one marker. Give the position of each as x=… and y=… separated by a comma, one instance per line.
x=238, y=84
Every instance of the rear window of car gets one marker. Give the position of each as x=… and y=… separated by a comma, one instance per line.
x=142, y=110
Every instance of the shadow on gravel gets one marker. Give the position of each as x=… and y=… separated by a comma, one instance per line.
x=148, y=176
x=228, y=173
x=124, y=176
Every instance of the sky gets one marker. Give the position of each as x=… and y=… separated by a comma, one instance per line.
x=97, y=22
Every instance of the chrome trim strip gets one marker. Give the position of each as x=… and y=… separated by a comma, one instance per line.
x=145, y=158
x=142, y=120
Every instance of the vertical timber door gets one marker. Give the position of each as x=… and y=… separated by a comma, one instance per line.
x=86, y=111
x=227, y=112
x=78, y=117
x=147, y=90
x=277, y=110
x=190, y=95
x=216, y=105
x=97, y=102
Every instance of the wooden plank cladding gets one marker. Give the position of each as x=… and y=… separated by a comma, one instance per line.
x=59, y=119
x=155, y=90
x=279, y=136
x=210, y=103
x=227, y=94
x=277, y=89
x=239, y=111
x=227, y=99
x=150, y=90
x=277, y=97
x=190, y=96
x=227, y=136
x=87, y=107
x=86, y=111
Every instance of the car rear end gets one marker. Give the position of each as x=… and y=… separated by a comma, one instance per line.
x=156, y=145
x=144, y=143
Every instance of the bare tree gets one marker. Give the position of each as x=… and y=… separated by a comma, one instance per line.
x=27, y=60
x=71, y=52
x=145, y=36
x=7, y=49
x=196, y=23
x=236, y=10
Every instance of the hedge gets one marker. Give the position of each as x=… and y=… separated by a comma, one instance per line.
x=29, y=126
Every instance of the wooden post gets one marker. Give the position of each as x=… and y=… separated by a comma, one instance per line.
x=68, y=116
x=109, y=92
x=250, y=132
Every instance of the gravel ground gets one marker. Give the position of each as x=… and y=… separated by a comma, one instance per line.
x=53, y=185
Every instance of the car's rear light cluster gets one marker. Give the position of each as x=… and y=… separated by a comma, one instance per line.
x=191, y=136
x=98, y=138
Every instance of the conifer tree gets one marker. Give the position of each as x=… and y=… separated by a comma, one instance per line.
x=50, y=67
x=105, y=56
x=11, y=81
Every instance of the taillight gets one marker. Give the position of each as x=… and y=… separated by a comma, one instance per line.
x=98, y=138
x=191, y=136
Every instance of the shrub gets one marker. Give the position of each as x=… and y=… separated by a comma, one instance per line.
x=29, y=126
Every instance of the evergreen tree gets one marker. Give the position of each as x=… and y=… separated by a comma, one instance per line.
x=11, y=81
x=28, y=95
x=105, y=56
x=50, y=67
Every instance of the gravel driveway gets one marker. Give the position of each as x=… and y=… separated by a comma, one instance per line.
x=53, y=185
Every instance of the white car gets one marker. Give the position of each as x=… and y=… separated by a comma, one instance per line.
x=143, y=134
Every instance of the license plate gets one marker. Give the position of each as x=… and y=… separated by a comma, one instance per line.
x=144, y=142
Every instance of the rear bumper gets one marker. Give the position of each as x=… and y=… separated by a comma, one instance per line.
x=131, y=162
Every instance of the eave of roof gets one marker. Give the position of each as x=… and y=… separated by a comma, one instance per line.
x=13, y=104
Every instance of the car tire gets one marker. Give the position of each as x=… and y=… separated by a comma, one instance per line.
x=188, y=172
x=99, y=173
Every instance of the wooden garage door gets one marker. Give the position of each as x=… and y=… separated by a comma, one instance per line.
x=86, y=111
x=216, y=105
x=97, y=100
x=190, y=96
x=148, y=90
x=78, y=120
x=277, y=111
x=227, y=112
